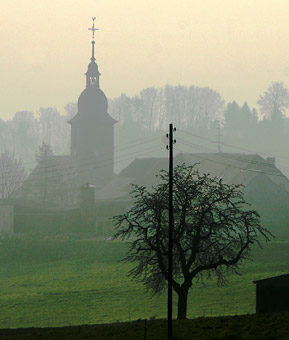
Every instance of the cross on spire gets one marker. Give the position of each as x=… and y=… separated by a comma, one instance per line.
x=93, y=28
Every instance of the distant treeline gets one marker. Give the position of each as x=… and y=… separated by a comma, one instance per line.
x=212, y=124
x=26, y=131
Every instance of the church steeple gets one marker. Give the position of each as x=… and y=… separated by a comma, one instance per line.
x=92, y=129
x=92, y=74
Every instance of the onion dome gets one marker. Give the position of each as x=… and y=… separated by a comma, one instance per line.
x=92, y=101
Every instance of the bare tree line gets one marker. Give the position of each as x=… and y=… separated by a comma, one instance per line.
x=22, y=134
x=199, y=110
x=190, y=108
x=153, y=109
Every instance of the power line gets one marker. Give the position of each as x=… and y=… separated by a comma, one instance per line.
x=98, y=166
x=78, y=160
x=231, y=146
x=121, y=160
x=228, y=164
x=234, y=157
x=103, y=162
x=117, y=148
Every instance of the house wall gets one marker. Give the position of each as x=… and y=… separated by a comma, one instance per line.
x=86, y=219
x=37, y=222
x=271, y=202
x=32, y=220
x=272, y=298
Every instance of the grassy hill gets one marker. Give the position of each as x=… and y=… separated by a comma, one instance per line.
x=53, y=281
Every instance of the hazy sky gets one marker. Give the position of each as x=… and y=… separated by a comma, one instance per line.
x=236, y=47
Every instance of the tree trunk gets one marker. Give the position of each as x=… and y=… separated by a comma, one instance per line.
x=182, y=303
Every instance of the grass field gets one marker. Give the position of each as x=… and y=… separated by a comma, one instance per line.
x=59, y=281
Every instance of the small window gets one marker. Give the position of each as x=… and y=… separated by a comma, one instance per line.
x=92, y=80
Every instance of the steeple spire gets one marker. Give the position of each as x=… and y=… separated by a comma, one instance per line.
x=93, y=29
x=92, y=74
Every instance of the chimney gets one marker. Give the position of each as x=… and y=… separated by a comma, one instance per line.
x=87, y=211
x=86, y=199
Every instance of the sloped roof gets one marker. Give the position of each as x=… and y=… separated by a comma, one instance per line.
x=117, y=189
x=143, y=170
x=279, y=280
x=233, y=168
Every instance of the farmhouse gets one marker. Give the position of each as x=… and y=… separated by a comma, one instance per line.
x=272, y=294
x=264, y=185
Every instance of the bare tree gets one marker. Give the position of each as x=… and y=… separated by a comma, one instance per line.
x=4, y=136
x=42, y=158
x=12, y=174
x=149, y=98
x=44, y=151
x=210, y=106
x=213, y=232
x=154, y=108
x=274, y=101
x=54, y=128
x=193, y=106
x=120, y=109
x=23, y=134
x=71, y=110
x=176, y=104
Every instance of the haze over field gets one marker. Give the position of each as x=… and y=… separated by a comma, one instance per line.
x=236, y=47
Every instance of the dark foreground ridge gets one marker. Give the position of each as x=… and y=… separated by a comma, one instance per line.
x=239, y=327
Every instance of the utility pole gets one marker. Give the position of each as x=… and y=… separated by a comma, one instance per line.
x=219, y=136
x=171, y=226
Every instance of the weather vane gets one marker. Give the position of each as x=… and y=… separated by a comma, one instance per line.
x=93, y=29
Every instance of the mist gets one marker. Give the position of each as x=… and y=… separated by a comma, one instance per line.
x=84, y=163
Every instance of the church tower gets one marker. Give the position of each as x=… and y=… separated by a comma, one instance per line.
x=92, y=130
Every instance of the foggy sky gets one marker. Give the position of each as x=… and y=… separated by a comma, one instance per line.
x=235, y=47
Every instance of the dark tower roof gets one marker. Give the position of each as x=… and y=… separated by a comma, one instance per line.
x=92, y=105
x=92, y=69
x=92, y=102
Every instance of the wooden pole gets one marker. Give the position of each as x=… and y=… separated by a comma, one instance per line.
x=170, y=250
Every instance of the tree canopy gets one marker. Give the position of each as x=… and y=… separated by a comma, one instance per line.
x=214, y=230
x=274, y=101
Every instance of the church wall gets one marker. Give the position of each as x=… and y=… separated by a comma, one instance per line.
x=93, y=152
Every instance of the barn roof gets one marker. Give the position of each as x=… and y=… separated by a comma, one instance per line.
x=233, y=168
x=275, y=280
x=117, y=189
